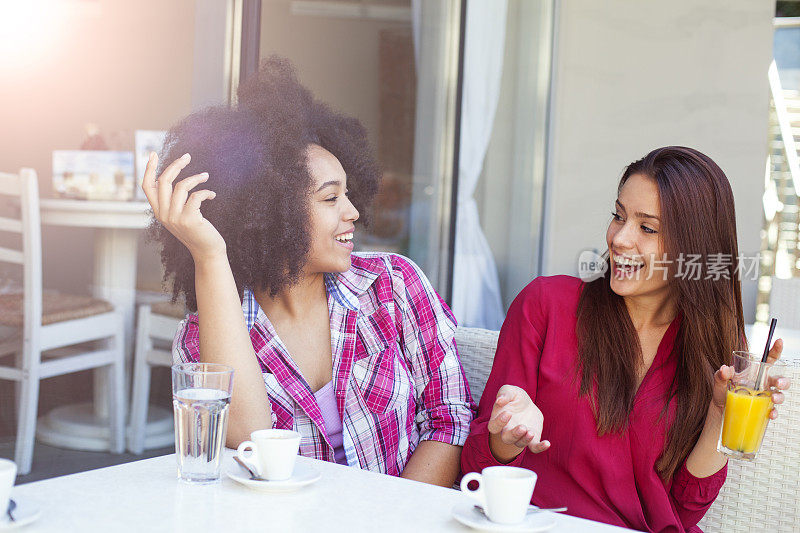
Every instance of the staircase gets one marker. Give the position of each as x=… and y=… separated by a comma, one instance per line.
x=780, y=245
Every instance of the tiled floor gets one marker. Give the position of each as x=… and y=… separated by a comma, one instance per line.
x=49, y=461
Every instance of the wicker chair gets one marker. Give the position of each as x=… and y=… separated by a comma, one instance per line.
x=155, y=329
x=764, y=495
x=760, y=496
x=476, y=348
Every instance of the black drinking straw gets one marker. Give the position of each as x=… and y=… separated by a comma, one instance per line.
x=772, y=324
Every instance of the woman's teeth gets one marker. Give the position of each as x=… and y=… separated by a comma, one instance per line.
x=626, y=264
x=344, y=237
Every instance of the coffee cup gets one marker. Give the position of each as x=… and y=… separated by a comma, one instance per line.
x=272, y=453
x=8, y=473
x=504, y=492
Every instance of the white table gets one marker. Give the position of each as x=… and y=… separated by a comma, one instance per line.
x=118, y=225
x=146, y=496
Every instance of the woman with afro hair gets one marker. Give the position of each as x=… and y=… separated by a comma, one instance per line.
x=355, y=351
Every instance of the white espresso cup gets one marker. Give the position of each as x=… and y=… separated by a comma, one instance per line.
x=273, y=453
x=8, y=473
x=504, y=492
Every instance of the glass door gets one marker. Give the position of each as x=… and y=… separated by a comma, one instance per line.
x=393, y=64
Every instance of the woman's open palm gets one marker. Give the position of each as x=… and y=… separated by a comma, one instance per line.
x=517, y=420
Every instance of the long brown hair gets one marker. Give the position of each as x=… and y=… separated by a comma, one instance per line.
x=697, y=217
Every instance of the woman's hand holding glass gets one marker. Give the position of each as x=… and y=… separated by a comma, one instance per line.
x=515, y=424
x=179, y=211
x=777, y=383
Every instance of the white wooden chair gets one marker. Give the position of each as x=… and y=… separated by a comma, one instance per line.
x=476, y=348
x=155, y=328
x=46, y=321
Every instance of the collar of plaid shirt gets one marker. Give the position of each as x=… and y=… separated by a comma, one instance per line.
x=345, y=288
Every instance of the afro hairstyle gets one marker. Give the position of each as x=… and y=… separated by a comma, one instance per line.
x=255, y=155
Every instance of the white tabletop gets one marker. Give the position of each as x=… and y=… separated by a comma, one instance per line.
x=94, y=214
x=146, y=496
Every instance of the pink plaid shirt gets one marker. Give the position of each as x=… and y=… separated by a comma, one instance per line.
x=397, y=376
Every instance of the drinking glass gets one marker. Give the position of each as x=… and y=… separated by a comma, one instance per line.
x=747, y=406
x=201, y=393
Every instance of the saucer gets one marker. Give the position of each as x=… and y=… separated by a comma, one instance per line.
x=25, y=513
x=303, y=475
x=471, y=517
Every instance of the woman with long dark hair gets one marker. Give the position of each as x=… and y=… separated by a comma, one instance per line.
x=613, y=390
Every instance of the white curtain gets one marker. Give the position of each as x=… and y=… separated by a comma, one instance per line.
x=476, y=287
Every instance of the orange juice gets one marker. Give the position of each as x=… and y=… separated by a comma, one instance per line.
x=745, y=420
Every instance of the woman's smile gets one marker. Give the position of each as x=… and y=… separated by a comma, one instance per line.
x=625, y=267
x=345, y=239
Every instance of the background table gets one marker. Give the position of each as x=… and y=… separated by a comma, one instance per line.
x=146, y=496
x=118, y=224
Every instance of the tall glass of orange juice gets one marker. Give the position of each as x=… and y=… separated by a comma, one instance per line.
x=747, y=406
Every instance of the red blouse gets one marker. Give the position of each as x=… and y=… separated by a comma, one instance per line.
x=612, y=478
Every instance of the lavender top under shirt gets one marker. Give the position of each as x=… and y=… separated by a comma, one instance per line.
x=326, y=399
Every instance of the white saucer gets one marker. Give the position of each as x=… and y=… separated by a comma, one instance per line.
x=471, y=517
x=25, y=513
x=303, y=475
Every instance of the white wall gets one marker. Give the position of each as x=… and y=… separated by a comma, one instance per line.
x=632, y=76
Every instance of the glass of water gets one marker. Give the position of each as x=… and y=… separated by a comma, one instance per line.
x=201, y=393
